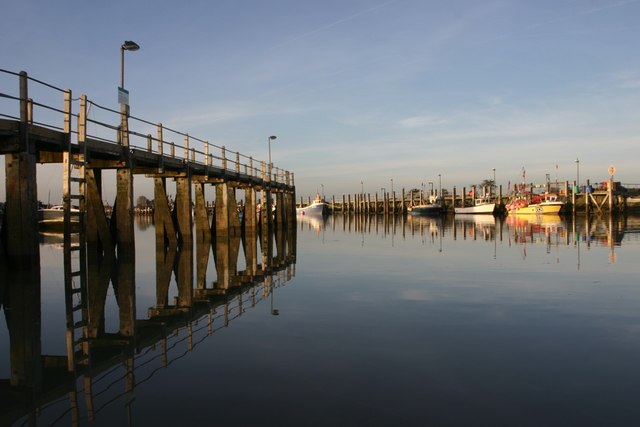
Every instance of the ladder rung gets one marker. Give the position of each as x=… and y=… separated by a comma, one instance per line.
x=76, y=196
x=80, y=324
x=74, y=179
x=76, y=273
x=77, y=307
x=75, y=247
x=76, y=290
x=77, y=162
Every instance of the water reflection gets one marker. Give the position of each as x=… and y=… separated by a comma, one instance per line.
x=516, y=231
x=102, y=367
x=372, y=289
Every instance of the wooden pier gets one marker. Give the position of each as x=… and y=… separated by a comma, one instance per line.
x=35, y=131
x=103, y=253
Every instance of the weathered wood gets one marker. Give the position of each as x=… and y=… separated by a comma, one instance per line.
x=183, y=210
x=124, y=207
x=97, y=223
x=162, y=217
x=250, y=217
x=226, y=217
x=203, y=229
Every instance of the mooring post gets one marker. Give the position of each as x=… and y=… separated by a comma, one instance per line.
x=587, y=195
x=573, y=197
x=610, y=194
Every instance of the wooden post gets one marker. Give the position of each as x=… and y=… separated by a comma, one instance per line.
x=21, y=189
x=587, y=194
x=610, y=194
x=183, y=210
x=250, y=217
x=203, y=229
x=160, y=139
x=573, y=197
x=165, y=229
x=376, y=204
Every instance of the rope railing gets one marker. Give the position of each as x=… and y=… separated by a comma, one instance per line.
x=141, y=134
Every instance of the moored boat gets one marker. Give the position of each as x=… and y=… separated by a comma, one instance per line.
x=543, y=204
x=484, y=204
x=53, y=217
x=317, y=207
x=434, y=207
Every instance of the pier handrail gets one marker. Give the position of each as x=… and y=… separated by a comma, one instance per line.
x=141, y=138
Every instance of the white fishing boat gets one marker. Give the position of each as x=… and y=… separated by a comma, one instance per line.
x=317, y=207
x=484, y=204
x=53, y=217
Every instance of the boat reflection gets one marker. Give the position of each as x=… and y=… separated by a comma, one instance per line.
x=536, y=228
x=476, y=227
x=531, y=229
x=312, y=222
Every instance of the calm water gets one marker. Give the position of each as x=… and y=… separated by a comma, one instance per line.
x=418, y=322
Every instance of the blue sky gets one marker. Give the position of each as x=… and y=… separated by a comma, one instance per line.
x=360, y=90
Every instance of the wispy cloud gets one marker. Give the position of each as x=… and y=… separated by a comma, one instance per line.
x=422, y=121
x=332, y=24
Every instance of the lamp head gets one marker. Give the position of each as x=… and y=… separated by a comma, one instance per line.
x=272, y=137
x=130, y=45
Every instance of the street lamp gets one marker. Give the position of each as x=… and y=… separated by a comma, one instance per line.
x=130, y=46
x=439, y=185
x=362, y=187
x=322, y=186
x=430, y=188
x=123, y=95
x=271, y=138
x=578, y=174
x=391, y=186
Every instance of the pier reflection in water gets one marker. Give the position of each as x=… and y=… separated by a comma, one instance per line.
x=123, y=342
x=455, y=321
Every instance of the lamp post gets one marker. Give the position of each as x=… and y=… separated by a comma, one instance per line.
x=271, y=138
x=439, y=185
x=494, y=177
x=322, y=186
x=578, y=174
x=430, y=188
x=130, y=46
x=392, y=186
x=124, y=101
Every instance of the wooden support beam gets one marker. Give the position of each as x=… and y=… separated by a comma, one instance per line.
x=250, y=210
x=183, y=210
x=165, y=229
x=97, y=223
x=124, y=207
x=203, y=228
